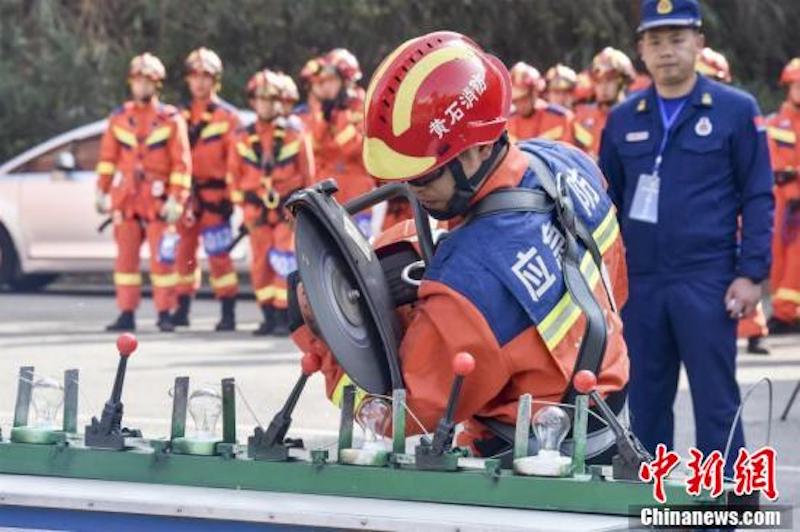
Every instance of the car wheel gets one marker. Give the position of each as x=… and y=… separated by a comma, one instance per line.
x=33, y=282
x=9, y=263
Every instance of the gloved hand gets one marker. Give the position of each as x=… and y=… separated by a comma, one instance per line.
x=171, y=210
x=101, y=202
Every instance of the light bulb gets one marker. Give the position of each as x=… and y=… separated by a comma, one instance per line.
x=550, y=425
x=47, y=396
x=374, y=415
x=205, y=407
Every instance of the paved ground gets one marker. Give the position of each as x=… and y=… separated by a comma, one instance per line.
x=61, y=329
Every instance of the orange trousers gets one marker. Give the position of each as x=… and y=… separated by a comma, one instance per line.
x=129, y=236
x=223, y=279
x=785, y=273
x=272, y=259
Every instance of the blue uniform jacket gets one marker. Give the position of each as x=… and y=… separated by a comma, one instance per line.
x=715, y=169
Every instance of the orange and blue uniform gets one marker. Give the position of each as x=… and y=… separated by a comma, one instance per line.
x=547, y=121
x=495, y=289
x=144, y=159
x=590, y=119
x=269, y=162
x=212, y=126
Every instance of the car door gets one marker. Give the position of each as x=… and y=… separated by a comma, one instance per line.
x=57, y=206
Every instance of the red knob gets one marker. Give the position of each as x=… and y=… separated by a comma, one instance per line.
x=126, y=344
x=585, y=381
x=310, y=363
x=463, y=364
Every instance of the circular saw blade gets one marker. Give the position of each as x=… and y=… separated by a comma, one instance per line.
x=343, y=318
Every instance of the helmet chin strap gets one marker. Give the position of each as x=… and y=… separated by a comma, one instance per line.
x=467, y=187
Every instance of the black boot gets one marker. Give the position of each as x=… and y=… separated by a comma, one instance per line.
x=180, y=318
x=125, y=322
x=227, y=321
x=164, y=322
x=755, y=346
x=777, y=326
x=268, y=325
x=281, y=323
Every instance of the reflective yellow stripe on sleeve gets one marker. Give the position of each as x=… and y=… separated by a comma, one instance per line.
x=180, y=179
x=124, y=136
x=583, y=136
x=127, y=279
x=105, y=168
x=338, y=392
x=553, y=133
x=782, y=135
x=289, y=150
x=246, y=152
x=159, y=135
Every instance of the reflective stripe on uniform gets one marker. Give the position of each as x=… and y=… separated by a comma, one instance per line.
x=345, y=135
x=159, y=135
x=187, y=279
x=213, y=129
x=785, y=136
x=583, y=136
x=558, y=322
x=289, y=150
x=788, y=294
x=271, y=292
x=224, y=281
x=163, y=280
x=246, y=152
x=180, y=179
x=338, y=392
x=127, y=279
x=105, y=168
x=237, y=196
x=553, y=133
x=124, y=136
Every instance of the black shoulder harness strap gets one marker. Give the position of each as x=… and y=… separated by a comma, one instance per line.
x=556, y=197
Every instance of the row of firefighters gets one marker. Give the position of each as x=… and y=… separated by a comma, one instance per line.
x=172, y=176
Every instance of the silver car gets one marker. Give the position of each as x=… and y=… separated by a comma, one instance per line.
x=48, y=224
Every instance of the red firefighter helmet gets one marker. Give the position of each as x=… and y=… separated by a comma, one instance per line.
x=148, y=66
x=429, y=100
x=525, y=79
x=713, y=64
x=610, y=62
x=344, y=63
x=312, y=69
x=265, y=83
x=791, y=72
x=288, y=89
x=561, y=78
x=204, y=61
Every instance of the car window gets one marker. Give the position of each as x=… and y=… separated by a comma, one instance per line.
x=85, y=151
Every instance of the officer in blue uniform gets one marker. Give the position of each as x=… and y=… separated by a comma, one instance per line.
x=686, y=159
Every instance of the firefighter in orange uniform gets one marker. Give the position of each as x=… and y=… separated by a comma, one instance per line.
x=584, y=88
x=532, y=116
x=561, y=82
x=272, y=158
x=212, y=124
x=333, y=116
x=451, y=164
x=783, y=131
x=611, y=72
x=145, y=167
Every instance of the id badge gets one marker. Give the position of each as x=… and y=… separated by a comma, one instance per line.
x=645, y=199
x=168, y=247
x=217, y=239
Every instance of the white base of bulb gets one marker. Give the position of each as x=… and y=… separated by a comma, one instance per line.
x=372, y=454
x=547, y=463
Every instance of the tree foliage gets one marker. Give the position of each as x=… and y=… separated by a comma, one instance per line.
x=63, y=62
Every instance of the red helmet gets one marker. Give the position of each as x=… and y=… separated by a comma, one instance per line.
x=791, y=72
x=611, y=62
x=311, y=69
x=344, y=63
x=288, y=89
x=713, y=64
x=524, y=80
x=429, y=100
x=265, y=83
x=561, y=78
x=149, y=66
x=203, y=60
